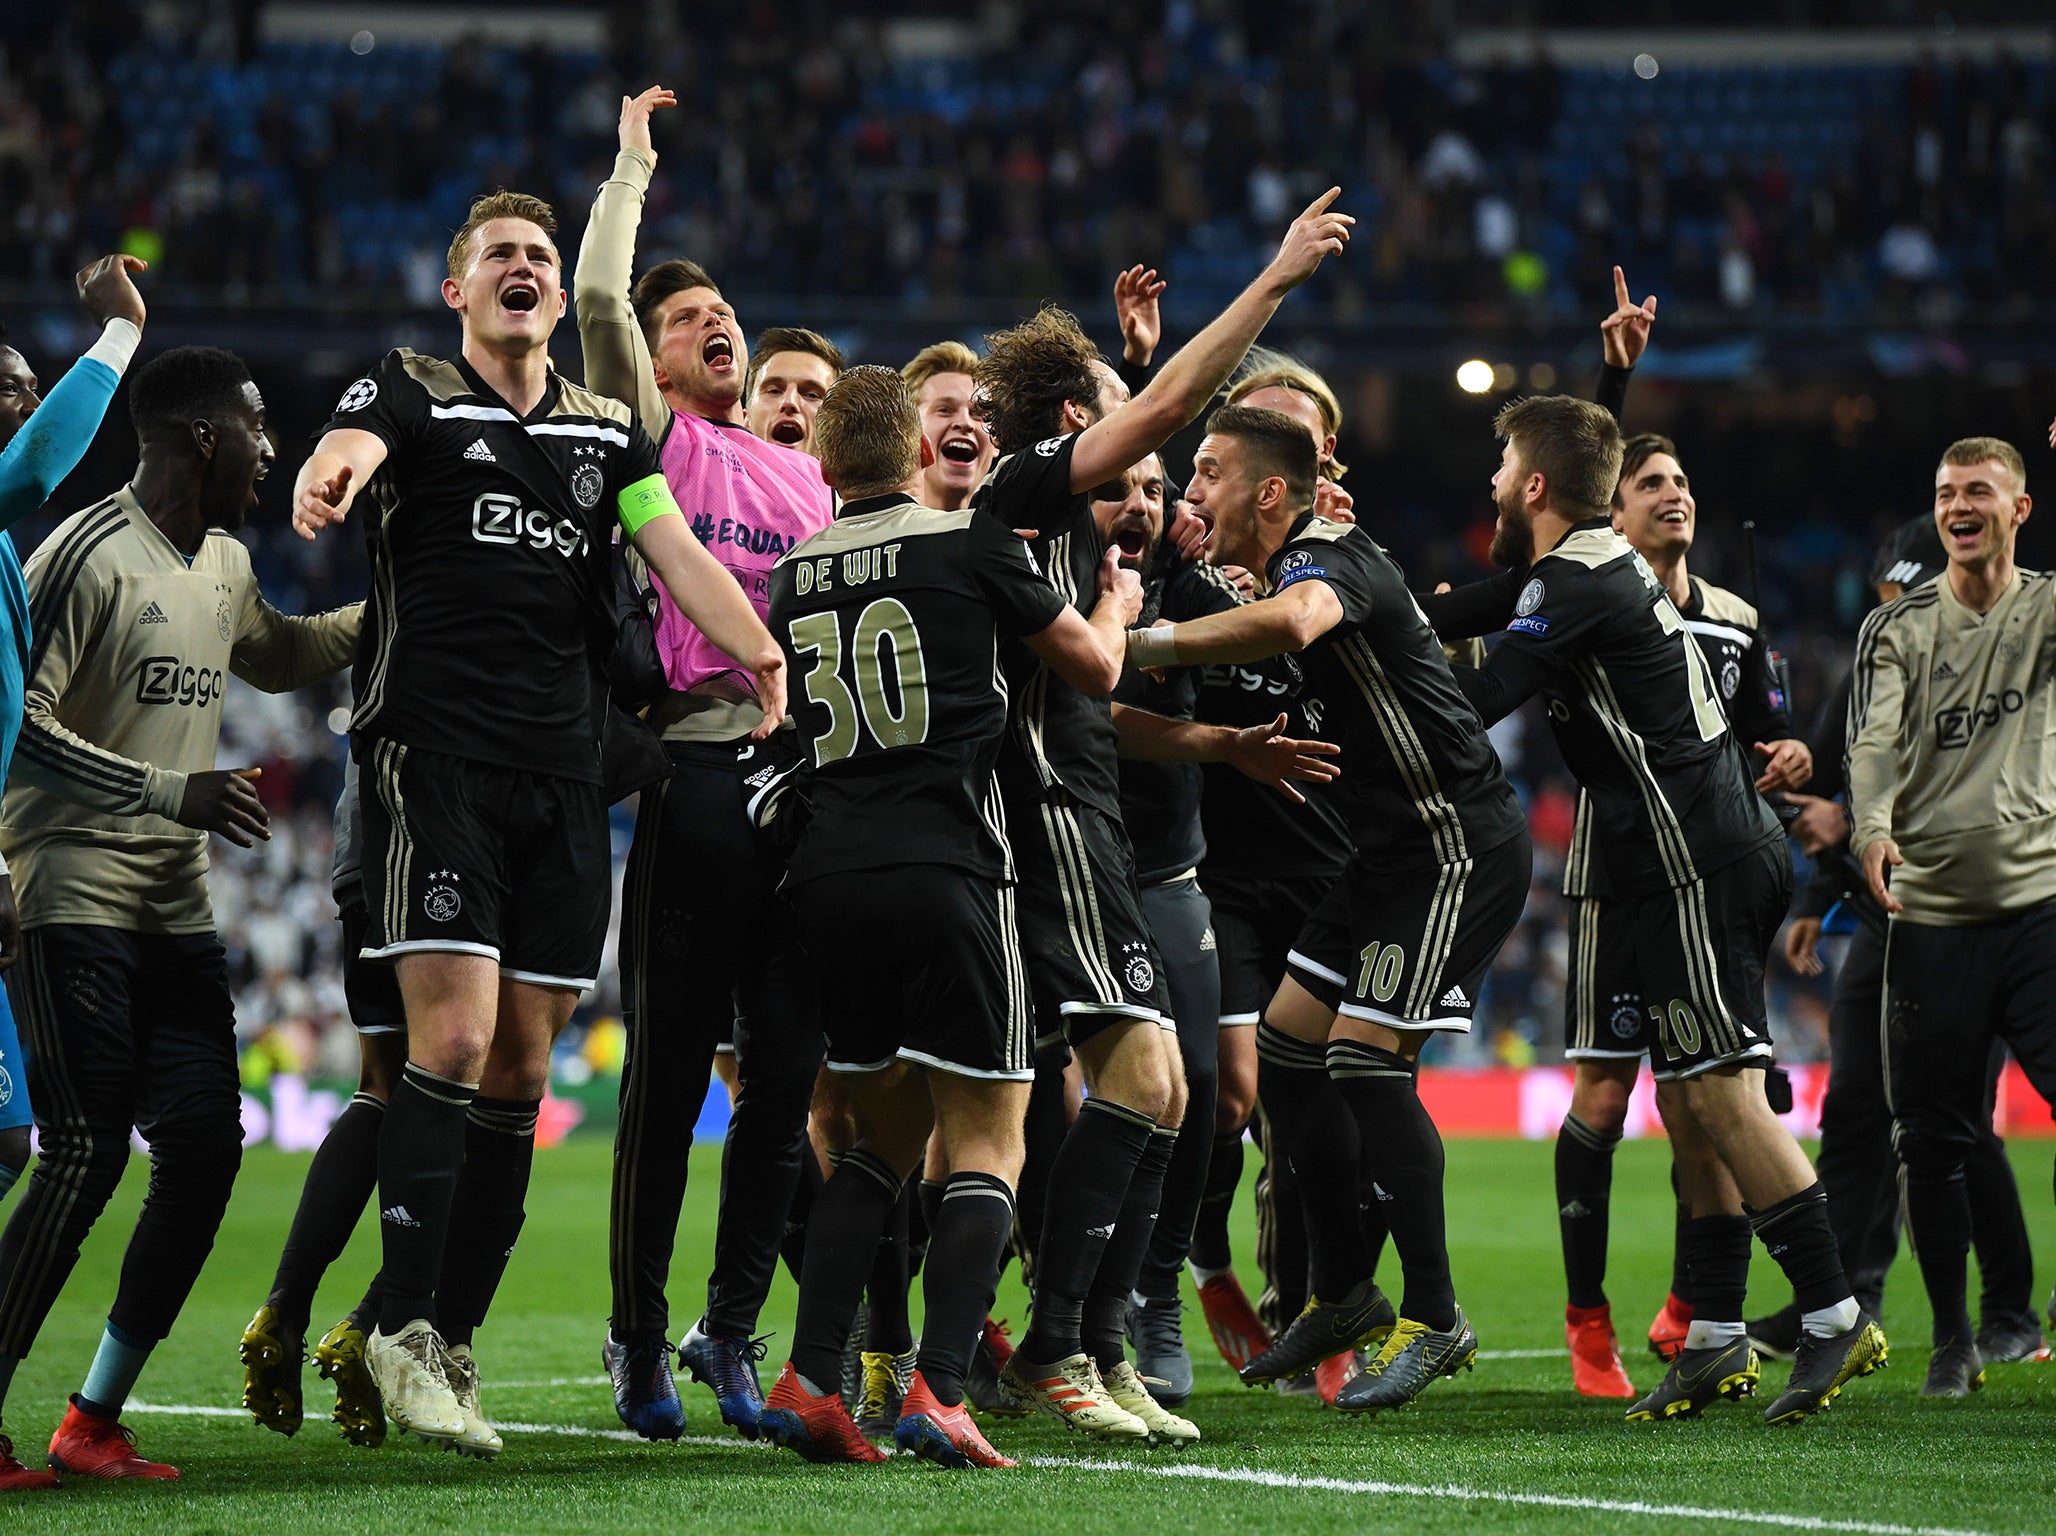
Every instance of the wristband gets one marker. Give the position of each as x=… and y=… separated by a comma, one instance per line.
x=1153, y=647
x=643, y=502
x=117, y=344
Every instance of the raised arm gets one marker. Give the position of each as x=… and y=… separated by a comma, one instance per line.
x=57, y=435
x=1185, y=384
x=617, y=357
x=1291, y=621
x=1622, y=335
x=279, y=652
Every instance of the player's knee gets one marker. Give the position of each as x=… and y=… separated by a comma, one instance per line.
x=202, y=1155
x=1601, y=1101
x=1234, y=1102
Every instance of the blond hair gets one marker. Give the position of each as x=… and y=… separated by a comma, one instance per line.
x=942, y=357
x=498, y=205
x=868, y=433
x=1976, y=450
x=1266, y=369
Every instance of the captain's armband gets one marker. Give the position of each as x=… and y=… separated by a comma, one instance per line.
x=643, y=502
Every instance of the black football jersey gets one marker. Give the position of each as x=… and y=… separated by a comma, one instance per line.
x=1160, y=801
x=892, y=620
x=1731, y=640
x=1670, y=795
x=1420, y=784
x=490, y=536
x=1252, y=831
x=1059, y=741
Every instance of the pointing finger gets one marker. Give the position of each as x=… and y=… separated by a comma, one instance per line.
x=1620, y=290
x=1320, y=204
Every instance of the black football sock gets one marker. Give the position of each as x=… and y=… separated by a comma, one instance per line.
x=1184, y=1183
x=2005, y=1258
x=1681, y=1268
x=1717, y=1253
x=1797, y=1235
x=842, y=1241
x=1311, y=1125
x=887, y=1330
x=365, y=1314
x=792, y=1245
x=921, y=1230
x=975, y=1211
x=1211, y=1250
x=420, y=1151
x=1281, y=1241
x=487, y=1213
x=339, y=1184
x=1404, y=1152
x=1103, y=1324
x=1584, y=1198
x=1088, y=1185
x=1043, y=1136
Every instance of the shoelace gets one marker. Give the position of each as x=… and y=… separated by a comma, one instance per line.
x=424, y=1349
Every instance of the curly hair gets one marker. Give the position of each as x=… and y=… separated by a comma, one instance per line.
x=1030, y=372
x=185, y=385
x=498, y=205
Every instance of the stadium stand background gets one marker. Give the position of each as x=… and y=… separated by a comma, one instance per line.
x=1845, y=209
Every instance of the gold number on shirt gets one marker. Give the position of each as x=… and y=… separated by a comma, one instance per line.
x=884, y=623
x=1705, y=708
x=1382, y=966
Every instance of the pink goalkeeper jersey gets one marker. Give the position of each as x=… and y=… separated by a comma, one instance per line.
x=749, y=502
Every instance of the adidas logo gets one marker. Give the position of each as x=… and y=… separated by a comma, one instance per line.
x=1105, y=1231
x=478, y=453
x=1574, y=1210
x=398, y=1216
x=1454, y=998
x=1943, y=673
x=1379, y=1190
x=153, y=615
x=1207, y=945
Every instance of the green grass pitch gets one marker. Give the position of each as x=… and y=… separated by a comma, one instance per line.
x=1505, y=1448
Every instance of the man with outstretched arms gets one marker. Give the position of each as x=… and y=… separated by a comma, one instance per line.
x=1952, y=795
x=1057, y=416
x=706, y=942
x=902, y=880
x=491, y=490
x=142, y=605
x=1680, y=837
x=1399, y=946
x=31, y=467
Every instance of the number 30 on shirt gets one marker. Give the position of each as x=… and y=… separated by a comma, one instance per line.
x=851, y=681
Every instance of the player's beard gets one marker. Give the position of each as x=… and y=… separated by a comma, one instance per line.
x=1513, y=540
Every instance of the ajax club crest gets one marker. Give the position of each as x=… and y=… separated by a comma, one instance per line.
x=441, y=902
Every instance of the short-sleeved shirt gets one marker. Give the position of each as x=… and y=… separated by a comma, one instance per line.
x=490, y=535
x=1420, y=782
x=892, y=620
x=1252, y=831
x=1160, y=801
x=1636, y=710
x=1059, y=741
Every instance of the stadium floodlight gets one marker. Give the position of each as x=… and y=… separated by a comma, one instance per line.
x=1474, y=377
x=1646, y=65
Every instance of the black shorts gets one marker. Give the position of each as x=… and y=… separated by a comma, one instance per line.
x=1255, y=924
x=1698, y=953
x=920, y=963
x=472, y=859
x=371, y=989
x=1409, y=949
x=1604, y=1017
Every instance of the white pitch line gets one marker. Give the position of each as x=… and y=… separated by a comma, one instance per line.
x=1523, y=1354
x=1257, y=1478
